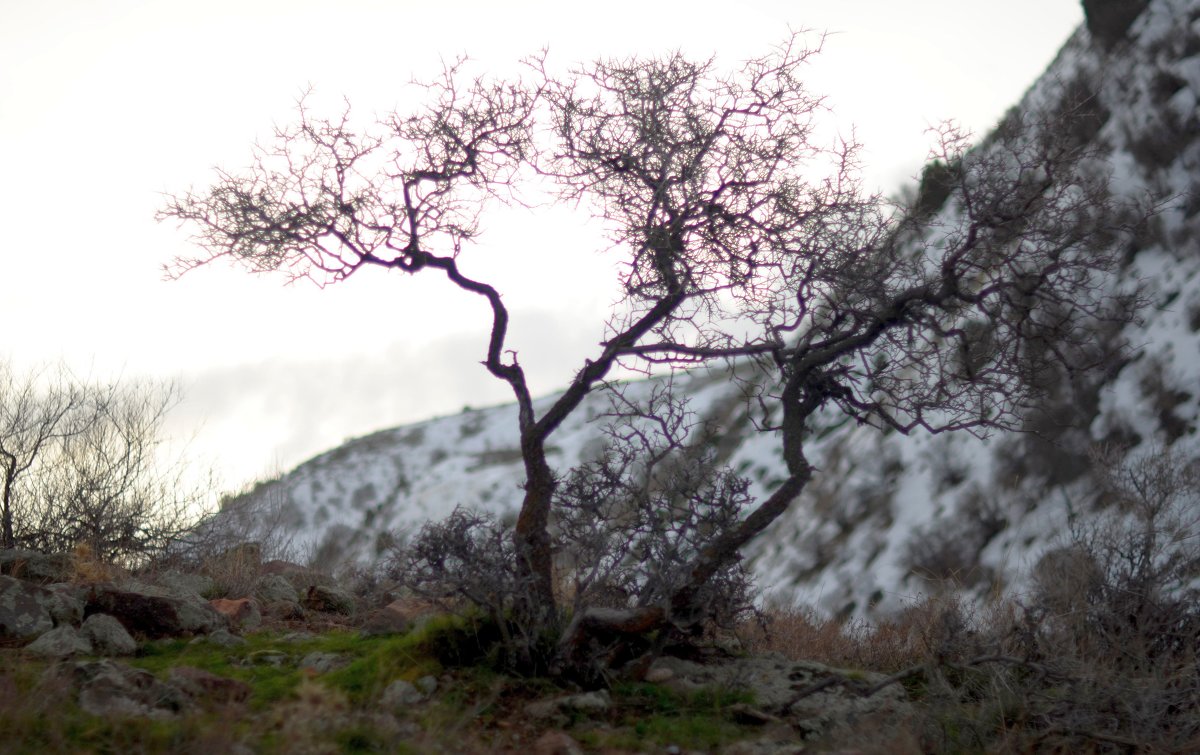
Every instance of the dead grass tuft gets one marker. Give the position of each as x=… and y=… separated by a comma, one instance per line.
x=89, y=568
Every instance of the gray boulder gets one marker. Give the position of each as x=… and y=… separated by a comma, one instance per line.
x=108, y=636
x=811, y=697
x=154, y=616
x=400, y=694
x=178, y=584
x=283, y=610
x=275, y=588
x=329, y=600
x=60, y=642
x=28, y=610
x=33, y=566
x=587, y=703
x=108, y=688
x=66, y=607
x=321, y=663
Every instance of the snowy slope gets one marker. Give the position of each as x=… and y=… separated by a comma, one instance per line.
x=340, y=503
x=887, y=517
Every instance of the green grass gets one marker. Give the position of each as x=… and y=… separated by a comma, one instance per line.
x=373, y=662
x=651, y=714
x=339, y=711
x=38, y=718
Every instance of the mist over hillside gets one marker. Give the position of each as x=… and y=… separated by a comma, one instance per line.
x=887, y=517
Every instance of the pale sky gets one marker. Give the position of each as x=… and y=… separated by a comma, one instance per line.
x=105, y=105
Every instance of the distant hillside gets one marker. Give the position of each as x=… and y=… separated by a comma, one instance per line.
x=888, y=516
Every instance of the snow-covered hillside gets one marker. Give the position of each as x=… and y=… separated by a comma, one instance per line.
x=887, y=516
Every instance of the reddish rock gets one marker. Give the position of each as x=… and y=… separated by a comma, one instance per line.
x=241, y=612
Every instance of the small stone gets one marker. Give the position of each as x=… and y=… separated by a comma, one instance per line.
x=744, y=714
x=222, y=637
x=544, y=709
x=427, y=684
x=400, y=694
x=59, y=643
x=292, y=637
x=323, y=662
x=556, y=743
x=266, y=658
x=583, y=702
x=587, y=702
x=66, y=605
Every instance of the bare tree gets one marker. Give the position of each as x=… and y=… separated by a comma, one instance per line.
x=110, y=487
x=82, y=466
x=743, y=237
x=37, y=410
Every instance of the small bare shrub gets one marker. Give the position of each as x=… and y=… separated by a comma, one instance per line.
x=801, y=633
x=632, y=520
x=1104, y=653
x=948, y=550
x=231, y=546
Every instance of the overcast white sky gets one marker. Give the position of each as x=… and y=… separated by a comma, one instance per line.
x=105, y=105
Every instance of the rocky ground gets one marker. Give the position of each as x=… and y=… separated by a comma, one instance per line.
x=234, y=654
x=246, y=656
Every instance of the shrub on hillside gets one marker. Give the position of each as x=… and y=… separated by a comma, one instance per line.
x=1102, y=655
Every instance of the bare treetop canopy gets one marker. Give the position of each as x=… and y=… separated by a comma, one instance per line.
x=742, y=236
